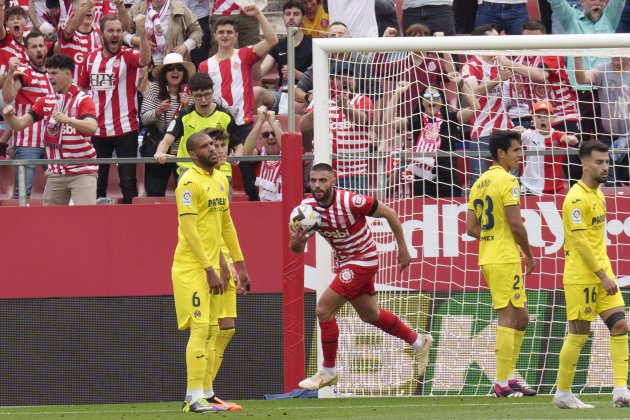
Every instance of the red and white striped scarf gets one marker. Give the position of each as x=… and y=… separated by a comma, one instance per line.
x=153, y=26
x=428, y=141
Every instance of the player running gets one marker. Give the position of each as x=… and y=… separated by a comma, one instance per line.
x=494, y=217
x=345, y=228
x=590, y=288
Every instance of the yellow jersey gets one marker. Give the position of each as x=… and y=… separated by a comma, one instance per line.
x=320, y=23
x=584, y=209
x=206, y=196
x=495, y=190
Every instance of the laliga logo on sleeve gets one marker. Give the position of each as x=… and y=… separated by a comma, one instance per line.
x=515, y=192
x=576, y=215
x=358, y=200
x=187, y=198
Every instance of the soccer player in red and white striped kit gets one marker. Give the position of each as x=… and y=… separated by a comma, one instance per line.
x=110, y=76
x=345, y=228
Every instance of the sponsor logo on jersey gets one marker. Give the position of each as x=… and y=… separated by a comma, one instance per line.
x=102, y=81
x=335, y=234
x=359, y=200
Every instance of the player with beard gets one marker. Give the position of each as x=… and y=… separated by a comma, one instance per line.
x=110, y=75
x=24, y=84
x=345, y=228
x=198, y=264
x=590, y=288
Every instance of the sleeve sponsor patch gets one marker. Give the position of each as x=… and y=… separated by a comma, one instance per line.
x=187, y=198
x=358, y=200
x=515, y=192
x=576, y=216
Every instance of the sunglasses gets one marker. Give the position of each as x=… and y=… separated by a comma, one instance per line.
x=177, y=67
x=435, y=96
x=267, y=134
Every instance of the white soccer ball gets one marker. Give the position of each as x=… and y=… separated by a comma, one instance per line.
x=305, y=217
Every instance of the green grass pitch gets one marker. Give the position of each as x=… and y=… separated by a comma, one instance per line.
x=467, y=408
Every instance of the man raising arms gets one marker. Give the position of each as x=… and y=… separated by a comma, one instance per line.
x=590, y=288
x=344, y=216
x=494, y=217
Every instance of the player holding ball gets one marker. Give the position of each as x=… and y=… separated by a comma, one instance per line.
x=343, y=224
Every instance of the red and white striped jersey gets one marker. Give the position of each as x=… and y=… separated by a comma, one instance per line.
x=14, y=48
x=225, y=8
x=24, y=5
x=80, y=46
x=492, y=115
x=558, y=90
x=543, y=174
x=101, y=8
x=35, y=84
x=519, y=100
x=349, y=138
x=232, y=78
x=345, y=228
x=73, y=144
x=112, y=84
x=269, y=179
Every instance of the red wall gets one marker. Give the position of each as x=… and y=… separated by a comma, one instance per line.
x=118, y=250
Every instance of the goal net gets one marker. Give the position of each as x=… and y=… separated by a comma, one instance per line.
x=405, y=120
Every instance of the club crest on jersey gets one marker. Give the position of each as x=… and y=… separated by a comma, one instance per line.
x=515, y=192
x=117, y=62
x=587, y=310
x=358, y=200
x=576, y=216
x=346, y=275
x=222, y=188
x=236, y=66
x=517, y=296
x=187, y=198
x=432, y=66
x=197, y=314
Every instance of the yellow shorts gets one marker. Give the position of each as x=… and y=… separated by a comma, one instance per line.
x=585, y=301
x=227, y=308
x=506, y=284
x=193, y=302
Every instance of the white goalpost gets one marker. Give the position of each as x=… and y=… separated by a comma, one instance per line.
x=444, y=292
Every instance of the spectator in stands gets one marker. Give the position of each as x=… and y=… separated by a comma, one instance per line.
x=434, y=127
x=110, y=75
x=276, y=100
x=507, y=17
x=556, y=26
x=183, y=33
x=419, y=68
x=358, y=15
x=437, y=15
x=80, y=35
x=316, y=20
x=69, y=117
x=268, y=132
x=386, y=15
x=247, y=27
x=624, y=21
x=612, y=79
x=350, y=117
x=163, y=102
x=24, y=84
x=231, y=72
x=12, y=33
x=484, y=79
x=102, y=8
x=201, y=10
x=465, y=12
x=542, y=174
x=597, y=17
x=205, y=114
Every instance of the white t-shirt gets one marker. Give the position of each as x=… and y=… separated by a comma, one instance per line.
x=358, y=15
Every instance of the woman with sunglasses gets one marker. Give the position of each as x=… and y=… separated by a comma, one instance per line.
x=164, y=100
x=434, y=127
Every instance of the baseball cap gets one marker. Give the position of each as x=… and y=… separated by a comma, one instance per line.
x=543, y=106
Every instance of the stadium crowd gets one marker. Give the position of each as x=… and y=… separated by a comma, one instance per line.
x=143, y=64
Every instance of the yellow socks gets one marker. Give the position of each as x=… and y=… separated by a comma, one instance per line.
x=223, y=339
x=569, y=356
x=210, y=343
x=619, y=357
x=504, y=351
x=196, y=356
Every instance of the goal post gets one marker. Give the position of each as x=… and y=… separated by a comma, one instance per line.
x=443, y=292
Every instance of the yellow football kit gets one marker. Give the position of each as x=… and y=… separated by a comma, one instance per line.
x=499, y=255
x=584, y=220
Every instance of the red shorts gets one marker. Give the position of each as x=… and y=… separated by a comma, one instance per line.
x=352, y=281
